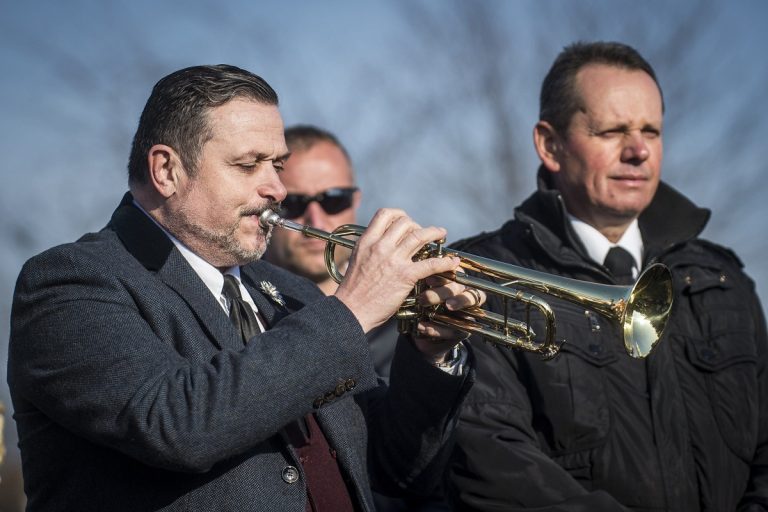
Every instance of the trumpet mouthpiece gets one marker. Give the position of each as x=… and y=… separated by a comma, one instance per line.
x=269, y=218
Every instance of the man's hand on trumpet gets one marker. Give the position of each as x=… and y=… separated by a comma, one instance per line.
x=382, y=273
x=436, y=341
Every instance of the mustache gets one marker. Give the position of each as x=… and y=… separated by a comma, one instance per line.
x=271, y=205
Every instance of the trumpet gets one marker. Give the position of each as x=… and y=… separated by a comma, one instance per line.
x=640, y=311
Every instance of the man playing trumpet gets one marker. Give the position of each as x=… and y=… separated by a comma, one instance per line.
x=161, y=365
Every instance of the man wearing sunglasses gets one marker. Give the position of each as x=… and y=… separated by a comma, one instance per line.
x=321, y=193
x=320, y=182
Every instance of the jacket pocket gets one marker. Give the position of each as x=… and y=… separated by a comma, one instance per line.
x=726, y=359
x=574, y=412
x=720, y=345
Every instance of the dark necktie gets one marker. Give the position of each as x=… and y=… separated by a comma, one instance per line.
x=620, y=263
x=240, y=312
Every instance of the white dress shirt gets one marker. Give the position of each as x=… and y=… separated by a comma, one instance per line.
x=598, y=246
x=210, y=275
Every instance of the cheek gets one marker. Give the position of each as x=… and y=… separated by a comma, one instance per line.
x=597, y=171
x=333, y=222
x=285, y=242
x=292, y=239
x=218, y=218
x=345, y=217
x=656, y=159
x=584, y=179
x=213, y=206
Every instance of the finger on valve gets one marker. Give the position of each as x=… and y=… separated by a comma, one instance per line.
x=455, y=296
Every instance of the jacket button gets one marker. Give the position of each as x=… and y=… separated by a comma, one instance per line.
x=290, y=475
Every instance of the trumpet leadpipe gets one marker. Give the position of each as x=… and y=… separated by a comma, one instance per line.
x=269, y=219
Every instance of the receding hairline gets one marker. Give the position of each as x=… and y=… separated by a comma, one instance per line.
x=304, y=149
x=578, y=79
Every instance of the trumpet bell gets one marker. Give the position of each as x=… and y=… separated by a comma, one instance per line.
x=640, y=311
x=647, y=309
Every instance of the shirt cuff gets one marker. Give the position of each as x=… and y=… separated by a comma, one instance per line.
x=457, y=362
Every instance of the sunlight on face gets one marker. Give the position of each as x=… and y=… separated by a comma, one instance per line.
x=610, y=162
x=310, y=172
x=217, y=212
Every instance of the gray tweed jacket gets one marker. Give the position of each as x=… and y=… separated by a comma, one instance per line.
x=132, y=391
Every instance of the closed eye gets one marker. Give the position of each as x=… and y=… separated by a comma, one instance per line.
x=612, y=132
x=651, y=132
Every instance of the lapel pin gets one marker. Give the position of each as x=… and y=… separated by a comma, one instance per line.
x=271, y=291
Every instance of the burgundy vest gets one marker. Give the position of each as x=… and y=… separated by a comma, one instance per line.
x=326, y=489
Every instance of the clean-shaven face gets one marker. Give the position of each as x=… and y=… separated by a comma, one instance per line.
x=610, y=162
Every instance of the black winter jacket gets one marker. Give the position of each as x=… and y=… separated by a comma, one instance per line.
x=592, y=429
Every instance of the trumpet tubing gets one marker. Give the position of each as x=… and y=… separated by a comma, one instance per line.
x=641, y=311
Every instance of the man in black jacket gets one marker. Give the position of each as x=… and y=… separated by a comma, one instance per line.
x=593, y=429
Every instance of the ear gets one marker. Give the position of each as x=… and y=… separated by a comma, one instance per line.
x=356, y=199
x=548, y=145
x=165, y=169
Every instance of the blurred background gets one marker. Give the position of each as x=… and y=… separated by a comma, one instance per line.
x=434, y=99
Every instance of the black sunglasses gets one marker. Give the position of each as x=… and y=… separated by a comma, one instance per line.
x=333, y=200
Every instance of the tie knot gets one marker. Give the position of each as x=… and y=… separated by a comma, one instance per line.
x=231, y=288
x=620, y=263
x=241, y=313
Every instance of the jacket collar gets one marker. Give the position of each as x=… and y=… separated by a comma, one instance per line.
x=156, y=252
x=142, y=237
x=670, y=218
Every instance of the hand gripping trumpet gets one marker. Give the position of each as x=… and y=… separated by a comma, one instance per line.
x=641, y=310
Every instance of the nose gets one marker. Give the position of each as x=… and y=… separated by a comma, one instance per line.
x=635, y=149
x=316, y=217
x=272, y=188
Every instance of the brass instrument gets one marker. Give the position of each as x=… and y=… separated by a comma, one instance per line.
x=640, y=310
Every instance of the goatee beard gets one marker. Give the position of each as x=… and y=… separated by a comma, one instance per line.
x=225, y=243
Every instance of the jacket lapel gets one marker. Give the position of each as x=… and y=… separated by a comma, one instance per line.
x=179, y=276
x=258, y=280
x=156, y=252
